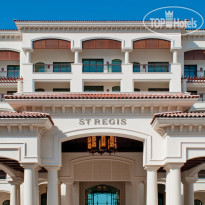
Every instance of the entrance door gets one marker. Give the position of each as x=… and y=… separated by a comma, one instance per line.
x=102, y=195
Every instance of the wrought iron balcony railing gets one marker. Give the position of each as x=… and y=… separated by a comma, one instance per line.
x=52, y=68
x=140, y=68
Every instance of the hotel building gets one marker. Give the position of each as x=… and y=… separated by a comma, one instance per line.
x=101, y=112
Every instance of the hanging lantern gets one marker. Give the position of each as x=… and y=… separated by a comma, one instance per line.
x=115, y=144
x=100, y=150
x=102, y=144
x=112, y=143
x=94, y=144
x=89, y=144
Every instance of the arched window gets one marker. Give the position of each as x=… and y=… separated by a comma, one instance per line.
x=39, y=90
x=197, y=202
x=102, y=194
x=44, y=199
x=116, y=65
x=39, y=67
x=116, y=89
x=136, y=67
x=7, y=202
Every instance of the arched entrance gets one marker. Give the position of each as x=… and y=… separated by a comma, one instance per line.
x=102, y=195
x=102, y=177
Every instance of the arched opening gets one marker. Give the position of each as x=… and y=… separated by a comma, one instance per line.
x=136, y=67
x=2, y=174
x=102, y=167
x=101, y=44
x=55, y=54
x=197, y=202
x=51, y=44
x=116, y=89
x=96, y=59
x=102, y=194
x=39, y=67
x=39, y=90
x=7, y=202
x=11, y=59
x=116, y=65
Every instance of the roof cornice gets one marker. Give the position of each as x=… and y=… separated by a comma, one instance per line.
x=90, y=26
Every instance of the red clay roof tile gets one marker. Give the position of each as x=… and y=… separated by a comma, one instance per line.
x=25, y=115
x=179, y=115
x=102, y=96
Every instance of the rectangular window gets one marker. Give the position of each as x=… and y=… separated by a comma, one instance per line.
x=93, y=88
x=61, y=89
x=158, y=89
x=158, y=66
x=11, y=92
x=190, y=70
x=93, y=65
x=13, y=71
x=62, y=67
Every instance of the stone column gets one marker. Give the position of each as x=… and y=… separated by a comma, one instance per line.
x=29, y=183
x=152, y=190
x=127, y=57
x=37, y=185
x=184, y=85
x=175, y=56
x=173, y=184
x=189, y=190
x=76, y=57
x=53, y=195
x=13, y=195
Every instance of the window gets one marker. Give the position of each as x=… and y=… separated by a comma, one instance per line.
x=197, y=202
x=2, y=174
x=93, y=88
x=190, y=70
x=116, y=65
x=44, y=199
x=93, y=65
x=10, y=92
x=158, y=66
x=7, y=202
x=158, y=89
x=61, y=67
x=13, y=71
x=136, y=89
x=61, y=89
x=201, y=174
x=192, y=92
x=116, y=89
x=160, y=199
x=136, y=67
x=102, y=195
x=39, y=67
x=39, y=90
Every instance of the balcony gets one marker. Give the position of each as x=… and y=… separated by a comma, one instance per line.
x=102, y=68
x=10, y=74
x=151, y=68
x=52, y=68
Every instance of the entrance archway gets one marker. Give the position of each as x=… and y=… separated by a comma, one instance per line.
x=102, y=195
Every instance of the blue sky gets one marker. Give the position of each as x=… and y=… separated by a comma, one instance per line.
x=86, y=9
